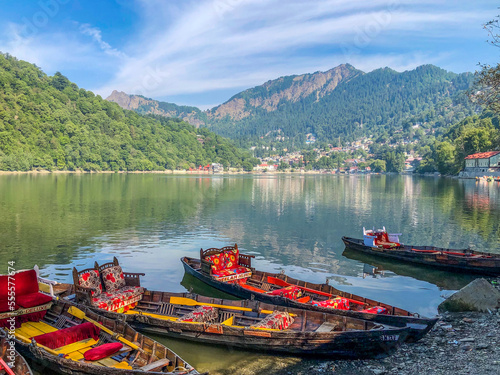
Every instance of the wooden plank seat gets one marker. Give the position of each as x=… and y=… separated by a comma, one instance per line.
x=157, y=365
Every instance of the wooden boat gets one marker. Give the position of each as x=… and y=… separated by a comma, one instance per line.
x=245, y=324
x=11, y=362
x=72, y=340
x=380, y=243
x=282, y=290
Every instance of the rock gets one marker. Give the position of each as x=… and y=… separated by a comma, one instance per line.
x=468, y=320
x=479, y=295
x=482, y=346
x=467, y=339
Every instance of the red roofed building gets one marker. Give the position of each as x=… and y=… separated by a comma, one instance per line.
x=482, y=161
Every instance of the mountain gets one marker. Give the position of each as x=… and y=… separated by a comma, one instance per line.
x=290, y=89
x=143, y=105
x=341, y=102
x=50, y=123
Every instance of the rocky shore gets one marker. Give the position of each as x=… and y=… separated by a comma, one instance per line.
x=460, y=343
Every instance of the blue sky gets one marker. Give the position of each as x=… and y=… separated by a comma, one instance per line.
x=201, y=52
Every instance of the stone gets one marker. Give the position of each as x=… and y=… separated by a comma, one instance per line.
x=482, y=346
x=479, y=295
x=467, y=339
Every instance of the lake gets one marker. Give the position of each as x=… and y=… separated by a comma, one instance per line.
x=289, y=222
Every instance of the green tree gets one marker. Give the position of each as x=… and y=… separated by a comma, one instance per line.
x=378, y=166
x=486, y=88
x=445, y=156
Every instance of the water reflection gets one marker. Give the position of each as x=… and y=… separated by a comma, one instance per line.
x=289, y=222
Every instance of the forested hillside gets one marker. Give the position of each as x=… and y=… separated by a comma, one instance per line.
x=478, y=133
x=342, y=102
x=49, y=123
x=143, y=105
x=364, y=105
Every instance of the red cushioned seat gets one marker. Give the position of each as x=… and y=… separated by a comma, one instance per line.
x=231, y=271
x=68, y=336
x=339, y=303
x=126, y=296
x=33, y=299
x=26, y=282
x=5, y=306
x=102, y=351
x=292, y=292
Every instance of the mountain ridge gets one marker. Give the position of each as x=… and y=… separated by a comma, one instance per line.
x=342, y=101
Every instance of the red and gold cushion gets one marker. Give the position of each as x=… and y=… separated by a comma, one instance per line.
x=227, y=259
x=292, y=292
x=113, y=279
x=277, y=320
x=123, y=298
x=230, y=258
x=339, y=303
x=216, y=263
x=92, y=280
x=375, y=310
x=201, y=314
x=233, y=274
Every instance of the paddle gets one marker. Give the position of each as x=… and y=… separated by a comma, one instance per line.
x=28, y=341
x=81, y=315
x=191, y=302
x=5, y=367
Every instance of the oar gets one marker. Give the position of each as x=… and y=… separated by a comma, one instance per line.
x=28, y=341
x=4, y=366
x=81, y=315
x=192, y=302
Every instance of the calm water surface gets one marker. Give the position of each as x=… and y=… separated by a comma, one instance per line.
x=291, y=223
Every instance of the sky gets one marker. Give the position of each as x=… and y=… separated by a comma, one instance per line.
x=202, y=52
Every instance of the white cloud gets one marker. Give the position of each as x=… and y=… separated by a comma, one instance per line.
x=96, y=35
x=197, y=46
x=232, y=43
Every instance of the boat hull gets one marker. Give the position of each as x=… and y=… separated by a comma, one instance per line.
x=347, y=345
x=418, y=326
x=49, y=363
x=434, y=257
x=21, y=367
x=364, y=340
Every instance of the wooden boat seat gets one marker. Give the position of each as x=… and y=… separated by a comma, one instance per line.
x=327, y=327
x=155, y=365
x=225, y=315
x=226, y=264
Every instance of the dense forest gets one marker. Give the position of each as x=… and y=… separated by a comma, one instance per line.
x=362, y=106
x=474, y=134
x=49, y=123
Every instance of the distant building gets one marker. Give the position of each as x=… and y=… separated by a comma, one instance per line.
x=217, y=168
x=483, y=162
